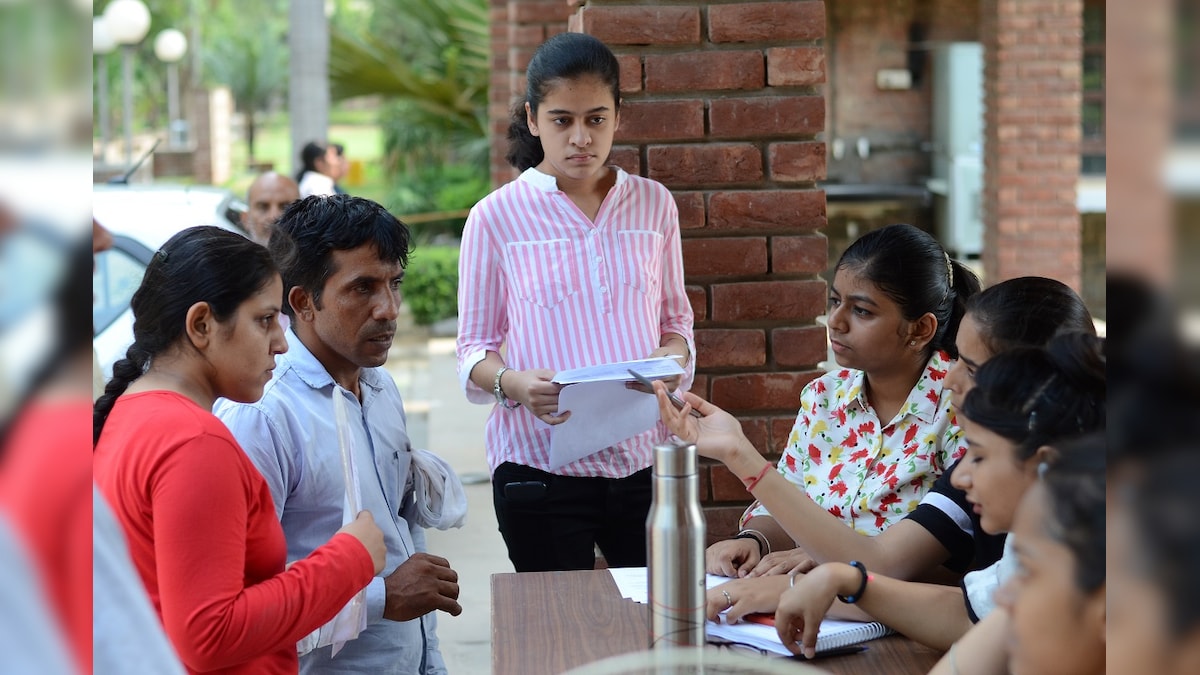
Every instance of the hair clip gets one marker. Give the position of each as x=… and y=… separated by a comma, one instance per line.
x=949, y=270
x=1032, y=420
x=160, y=255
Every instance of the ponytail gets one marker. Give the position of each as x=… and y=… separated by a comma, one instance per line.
x=1037, y=396
x=524, y=149
x=966, y=286
x=309, y=154
x=910, y=267
x=125, y=371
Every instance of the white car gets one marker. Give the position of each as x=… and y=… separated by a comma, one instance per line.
x=142, y=219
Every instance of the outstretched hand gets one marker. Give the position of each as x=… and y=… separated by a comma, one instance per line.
x=717, y=434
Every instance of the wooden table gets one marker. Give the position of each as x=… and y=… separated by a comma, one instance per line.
x=544, y=623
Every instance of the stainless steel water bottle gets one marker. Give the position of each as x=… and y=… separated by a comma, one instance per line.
x=675, y=549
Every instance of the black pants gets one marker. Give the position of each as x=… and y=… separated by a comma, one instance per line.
x=557, y=527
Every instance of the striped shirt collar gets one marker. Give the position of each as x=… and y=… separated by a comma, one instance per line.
x=547, y=183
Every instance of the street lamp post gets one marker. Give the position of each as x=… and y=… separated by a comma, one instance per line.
x=102, y=44
x=127, y=21
x=169, y=47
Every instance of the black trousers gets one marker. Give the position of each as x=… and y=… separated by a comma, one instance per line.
x=554, y=522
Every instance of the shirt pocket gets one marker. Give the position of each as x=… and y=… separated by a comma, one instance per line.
x=639, y=260
x=542, y=272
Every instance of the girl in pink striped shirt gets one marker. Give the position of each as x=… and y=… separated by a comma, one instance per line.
x=575, y=263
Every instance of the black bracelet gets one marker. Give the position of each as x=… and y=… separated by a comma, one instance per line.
x=758, y=539
x=862, y=587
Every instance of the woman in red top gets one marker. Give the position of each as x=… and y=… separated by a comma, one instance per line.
x=199, y=518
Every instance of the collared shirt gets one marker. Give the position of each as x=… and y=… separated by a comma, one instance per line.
x=867, y=473
x=316, y=183
x=562, y=291
x=979, y=587
x=291, y=436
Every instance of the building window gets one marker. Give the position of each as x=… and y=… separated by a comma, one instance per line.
x=1092, y=118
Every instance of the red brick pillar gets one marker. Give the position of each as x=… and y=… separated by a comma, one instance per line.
x=500, y=93
x=1032, y=98
x=721, y=103
x=517, y=28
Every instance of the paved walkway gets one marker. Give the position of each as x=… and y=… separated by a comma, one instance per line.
x=441, y=420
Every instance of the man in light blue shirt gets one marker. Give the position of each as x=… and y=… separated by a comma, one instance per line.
x=342, y=259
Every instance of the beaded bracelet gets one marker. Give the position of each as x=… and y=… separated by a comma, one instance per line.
x=862, y=587
x=751, y=483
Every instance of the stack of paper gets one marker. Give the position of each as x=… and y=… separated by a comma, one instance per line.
x=604, y=411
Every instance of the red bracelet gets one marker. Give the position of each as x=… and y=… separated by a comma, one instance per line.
x=751, y=483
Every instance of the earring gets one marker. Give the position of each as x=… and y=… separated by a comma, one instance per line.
x=912, y=343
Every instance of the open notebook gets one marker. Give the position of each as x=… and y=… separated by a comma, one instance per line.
x=759, y=630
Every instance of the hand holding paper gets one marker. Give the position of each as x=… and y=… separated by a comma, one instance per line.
x=604, y=411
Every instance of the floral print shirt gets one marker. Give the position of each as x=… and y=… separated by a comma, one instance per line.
x=864, y=472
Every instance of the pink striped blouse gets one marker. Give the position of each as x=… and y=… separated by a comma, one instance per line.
x=563, y=292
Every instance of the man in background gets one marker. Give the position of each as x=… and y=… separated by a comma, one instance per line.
x=267, y=197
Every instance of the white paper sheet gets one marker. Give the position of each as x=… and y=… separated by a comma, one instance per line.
x=604, y=411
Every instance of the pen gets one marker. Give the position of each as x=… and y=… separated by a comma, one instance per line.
x=840, y=651
x=675, y=400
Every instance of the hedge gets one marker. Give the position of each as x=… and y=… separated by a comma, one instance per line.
x=431, y=284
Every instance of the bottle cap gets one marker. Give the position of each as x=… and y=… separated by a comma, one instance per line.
x=675, y=459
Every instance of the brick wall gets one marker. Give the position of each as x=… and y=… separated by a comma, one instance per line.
x=500, y=92
x=517, y=28
x=864, y=37
x=722, y=104
x=1032, y=97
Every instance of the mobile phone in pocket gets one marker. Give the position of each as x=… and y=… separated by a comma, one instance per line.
x=525, y=490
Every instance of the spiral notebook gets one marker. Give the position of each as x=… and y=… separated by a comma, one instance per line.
x=758, y=631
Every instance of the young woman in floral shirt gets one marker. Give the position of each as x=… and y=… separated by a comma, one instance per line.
x=871, y=438
x=1028, y=403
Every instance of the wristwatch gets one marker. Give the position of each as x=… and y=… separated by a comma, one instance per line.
x=501, y=399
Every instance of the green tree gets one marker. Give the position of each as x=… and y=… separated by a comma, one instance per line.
x=247, y=52
x=428, y=61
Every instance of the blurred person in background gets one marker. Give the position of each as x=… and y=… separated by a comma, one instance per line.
x=45, y=469
x=1154, y=556
x=1154, y=601
x=321, y=167
x=267, y=197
